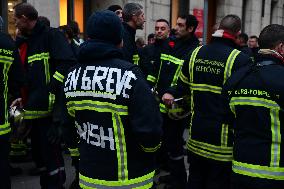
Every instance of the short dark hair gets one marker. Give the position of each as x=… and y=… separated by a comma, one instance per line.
x=44, y=20
x=151, y=35
x=254, y=37
x=74, y=26
x=27, y=10
x=244, y=37
x=131, y=9
x=67, y=30
x=232, y=23
x=271, y=36
x=190, y=20
x=114, y=8
x=163, y=20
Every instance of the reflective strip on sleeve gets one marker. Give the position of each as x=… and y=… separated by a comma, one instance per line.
x=153, y=149
x=163, y=108
x=144, y=182
x=224, y=135
x=136, y=59
x=276, y=173
x=36, y=114
x=58, y=76
x=5, y=128
x=183, y=78
x=74, y=152
x=151, y=79
x=229, y=64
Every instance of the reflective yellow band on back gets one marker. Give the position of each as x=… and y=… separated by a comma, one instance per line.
x=229, y=64
x=144, y=182
x=151, y=78
x=120, y=143
x=254, y=101
x=5, y=128
x=58, y=76
x=36, y=57
x=191, y=62
x=183, y=78
x=136, y=59
x=206, y=88
x=210, y=155
x=74, y=152
x=276, y=173
x=153, y=149
x=163, y=108
x=73, y=106
x=36, y=114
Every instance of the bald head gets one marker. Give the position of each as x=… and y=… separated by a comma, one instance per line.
x=231, y=23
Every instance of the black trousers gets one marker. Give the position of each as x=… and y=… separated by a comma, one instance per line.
x=172, y=152
x=246, y=182
x=5, y=182
x=54, y=177
x=36, y=145
x=208, y=174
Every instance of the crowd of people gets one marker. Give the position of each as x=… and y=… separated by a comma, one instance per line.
x=121, y=107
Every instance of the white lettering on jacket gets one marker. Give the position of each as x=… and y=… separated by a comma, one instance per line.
x=99, y=81
x=96, y=135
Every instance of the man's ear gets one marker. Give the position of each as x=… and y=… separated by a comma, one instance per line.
x=190, y=29
x=280, y=48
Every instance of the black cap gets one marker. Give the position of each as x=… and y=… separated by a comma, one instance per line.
x=105, y=26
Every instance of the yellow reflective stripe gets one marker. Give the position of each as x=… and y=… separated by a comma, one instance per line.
x=58, y=76
x=74, y=152
x=178, y=71
x=6, y=68
x=136, y=59
x=210, y=155
x=36, y=57
x=46, y=70
x=36, y=114
x=211, y=147
x=72, y=106
x=6, y=59
x=172, y=59
x=191, y=62
x=224, y=135
x=151, y=78
x=183, y=78
x=51, y=101
x=275, y=122
x=254, y=101
x=229, y=64
x=260, y=171
x=120, y=147
x=153, y=149
x=276, y=138
x=205, y=87
x=5, y=128
x=144, y=182
x=163, y=108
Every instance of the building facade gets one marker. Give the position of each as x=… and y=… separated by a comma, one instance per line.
x=256, y=14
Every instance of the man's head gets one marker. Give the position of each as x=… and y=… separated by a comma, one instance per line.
x=162, y=29
x=253, y=41
x=44, y=20
x=25, y=17
x=242, y=39
x=272, y=37
x=186, y=26
x=117, y=10
x=75, y=27
x=105, y=26
x=133, y=14
x=231, y=24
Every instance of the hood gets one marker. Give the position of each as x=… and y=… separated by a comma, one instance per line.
x=92, y=50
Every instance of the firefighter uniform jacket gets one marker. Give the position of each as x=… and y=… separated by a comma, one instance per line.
x=203, y=77
x=255, y=98
x=10, y=69
x=110, y=101
x=48, y=57
x=130, y=52
x=167, y=70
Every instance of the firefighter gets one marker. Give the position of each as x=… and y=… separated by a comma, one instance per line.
x=10, y=78
x=133, y=19
x=210, y=139
x=254, y=97
x=109, y=100
x=47, y=57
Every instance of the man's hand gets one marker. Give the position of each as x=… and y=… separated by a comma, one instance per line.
x=17, y=102
x=168, y=99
